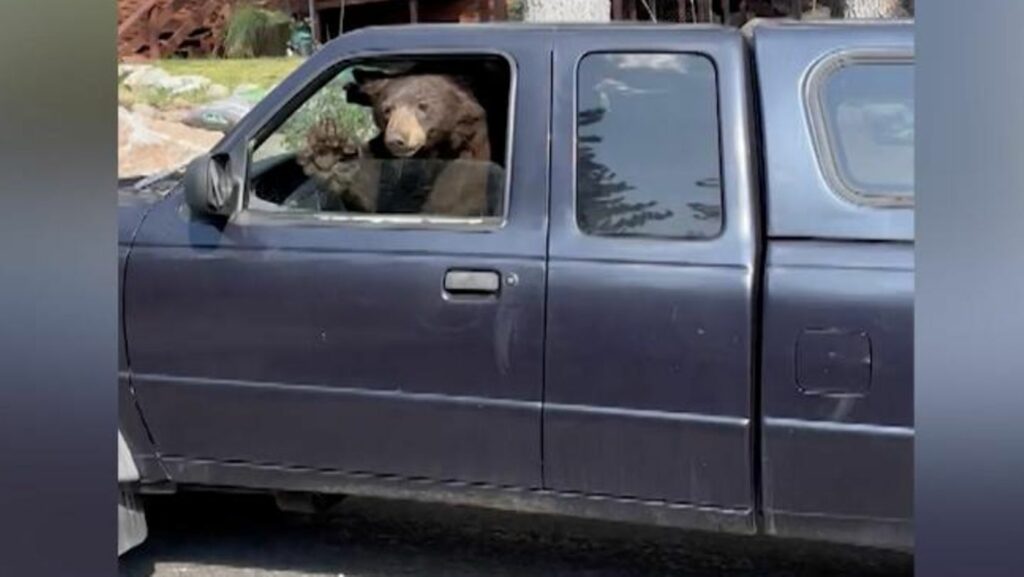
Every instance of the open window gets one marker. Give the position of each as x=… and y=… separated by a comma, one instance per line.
x=392, y=139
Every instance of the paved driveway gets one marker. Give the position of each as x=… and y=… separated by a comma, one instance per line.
x=244, y=535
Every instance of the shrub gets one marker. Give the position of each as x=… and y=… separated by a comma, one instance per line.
x=516, y=10
x=253, y=32
x=329, y=101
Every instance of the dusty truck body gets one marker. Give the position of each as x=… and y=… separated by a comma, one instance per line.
x=731, y=352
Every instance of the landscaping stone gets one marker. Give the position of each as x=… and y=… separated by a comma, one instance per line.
x=218, y=91
x=153, y=78
x=143, y=76
x=146, y=145
x=126, y=70
x=180, y=85
x=145, y=110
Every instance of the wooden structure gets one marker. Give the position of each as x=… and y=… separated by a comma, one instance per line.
x=155, y=28
x=158, y=28
x=331, y=16
x=732, y=12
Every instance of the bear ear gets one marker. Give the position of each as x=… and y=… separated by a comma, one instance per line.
x=366, y=87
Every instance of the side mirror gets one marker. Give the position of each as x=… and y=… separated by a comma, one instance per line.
x=210, y=188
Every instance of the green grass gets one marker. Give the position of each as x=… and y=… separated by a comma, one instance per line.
x=159, y=98
x=263, y=72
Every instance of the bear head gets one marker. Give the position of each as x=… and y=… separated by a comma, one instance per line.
x=423, y=115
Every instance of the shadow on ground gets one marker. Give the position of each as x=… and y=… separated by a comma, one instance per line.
x=209, y=535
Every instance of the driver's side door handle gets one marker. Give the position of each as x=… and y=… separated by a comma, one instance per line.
x=472, y=281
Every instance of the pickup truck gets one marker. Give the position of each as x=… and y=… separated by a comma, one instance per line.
x=689, y=301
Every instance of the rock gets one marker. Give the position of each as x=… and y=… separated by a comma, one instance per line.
x=177, y=115
x=148, y=145
x=132, y=130
x=180, y=102
x=153, y=78
x=145, y=77
x=144, y=110
x=126, y=97
x=218, y=91
x=242, y=89
x=179, y=85
x=126, y=70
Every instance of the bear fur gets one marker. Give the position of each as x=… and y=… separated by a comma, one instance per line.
x=432, y=120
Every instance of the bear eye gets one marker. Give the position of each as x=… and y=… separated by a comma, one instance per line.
x=423, y=106
x=387, y=110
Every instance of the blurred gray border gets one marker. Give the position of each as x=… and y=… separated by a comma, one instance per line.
x=58, y=301
x=969, y=319
x=58, y=291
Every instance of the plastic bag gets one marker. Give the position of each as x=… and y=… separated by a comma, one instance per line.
x=220, y=115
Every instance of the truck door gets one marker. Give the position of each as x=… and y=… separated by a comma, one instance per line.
x=387, y=344
x=651, y=269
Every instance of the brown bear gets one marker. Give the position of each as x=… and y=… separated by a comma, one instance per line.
x=349, y=180
x=431, y=157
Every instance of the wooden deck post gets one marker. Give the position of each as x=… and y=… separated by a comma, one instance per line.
x=314, y=22
x=500, y=10
x=414, y=11
x=136, y=16
x=153, y=34
x=703, y=11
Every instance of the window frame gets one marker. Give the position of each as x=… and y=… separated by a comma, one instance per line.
x=814, y=85
x=719, y=146
x=283, y=112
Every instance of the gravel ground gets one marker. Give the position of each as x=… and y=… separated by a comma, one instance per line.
x=206, y=535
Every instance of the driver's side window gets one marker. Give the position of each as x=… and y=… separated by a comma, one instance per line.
x=404, y=137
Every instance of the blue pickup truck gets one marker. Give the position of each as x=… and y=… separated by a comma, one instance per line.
x=685, y=297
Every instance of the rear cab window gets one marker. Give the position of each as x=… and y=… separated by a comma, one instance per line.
x=861, y=112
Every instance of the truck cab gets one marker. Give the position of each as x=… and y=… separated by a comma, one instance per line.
x=688, y=302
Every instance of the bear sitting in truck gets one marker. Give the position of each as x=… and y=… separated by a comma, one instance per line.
x=431, y=156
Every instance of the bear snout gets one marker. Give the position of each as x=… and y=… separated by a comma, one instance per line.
x=405, y=134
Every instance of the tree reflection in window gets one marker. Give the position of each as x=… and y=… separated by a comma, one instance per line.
x=607, y=210
x=647, y=159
